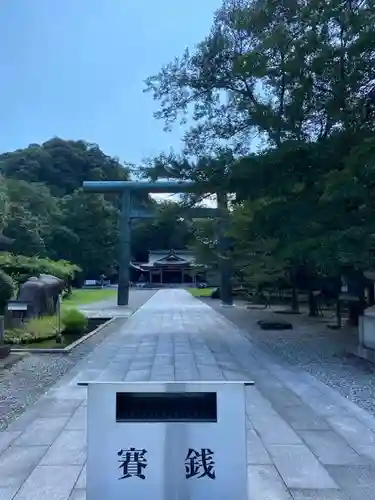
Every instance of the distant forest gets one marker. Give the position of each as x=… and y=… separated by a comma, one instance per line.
x=44, y=210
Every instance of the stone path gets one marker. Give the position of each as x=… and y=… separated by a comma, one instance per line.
x=305, y=441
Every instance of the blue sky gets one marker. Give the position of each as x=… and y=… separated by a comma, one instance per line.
x=75, y=69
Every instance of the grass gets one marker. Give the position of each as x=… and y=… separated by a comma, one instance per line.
x=201, y=292
x=82, y=296
x=41, y=333
x=37, y=328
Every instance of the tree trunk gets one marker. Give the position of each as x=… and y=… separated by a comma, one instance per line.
x=295, y=301
x=371, y=295
x=355, y=311
x=313, y=304
x=338, y=313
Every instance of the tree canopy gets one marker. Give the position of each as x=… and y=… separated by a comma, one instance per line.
x=293, y=70
x=282, y=100
x=62, y=165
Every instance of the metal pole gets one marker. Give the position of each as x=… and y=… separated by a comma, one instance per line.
x=224, y=262
x=124, y=257
x=59, y=314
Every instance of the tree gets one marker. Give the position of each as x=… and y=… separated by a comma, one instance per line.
x=95, y=222
x=33, y=214
x=62, y=165
x=281, y=71
x=305, y=207
x=168, y=230
x=300, y=75
x=4, y=203
x=205, y=242
x=43, y=210
x=349, y=197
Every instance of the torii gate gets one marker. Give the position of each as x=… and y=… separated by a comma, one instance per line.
x=126, y=188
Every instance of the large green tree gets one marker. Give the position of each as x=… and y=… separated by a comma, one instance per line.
x=278, y=70
x=32, y=216
x=62, y=165
x=91, y=240
x=4, y=203
x=300, y=77
x=47, y=215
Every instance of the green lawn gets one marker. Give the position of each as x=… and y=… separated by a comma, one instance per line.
x=201, y=292
x=84, y=296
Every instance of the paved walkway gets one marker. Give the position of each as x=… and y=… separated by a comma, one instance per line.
x=305, y=441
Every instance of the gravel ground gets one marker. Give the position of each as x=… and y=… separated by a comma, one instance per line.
x=312, y=347
x=25, y=381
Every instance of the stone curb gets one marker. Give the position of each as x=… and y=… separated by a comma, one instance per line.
x=67, y=349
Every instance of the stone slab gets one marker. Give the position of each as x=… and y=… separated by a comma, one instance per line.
x=42, y=431
x=7, y=493
x=49, y=483
x=319, y=495
x=299, y=468
x=68, y=449
x=6, y=439
x=303, y=418
x=265, y=483
x=331, y=449
x=78, y=494
x=78, y=421
x=17, y=462
x=351, y=475
x=256, y=452
x=366, y=451
x=352, y=430
x=57, y=407
x=280, y=397
x=81, y=483
x=274, y=430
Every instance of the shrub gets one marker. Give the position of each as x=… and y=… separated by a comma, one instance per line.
x=36, y=329
x=74, y=321
x=6, y=290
